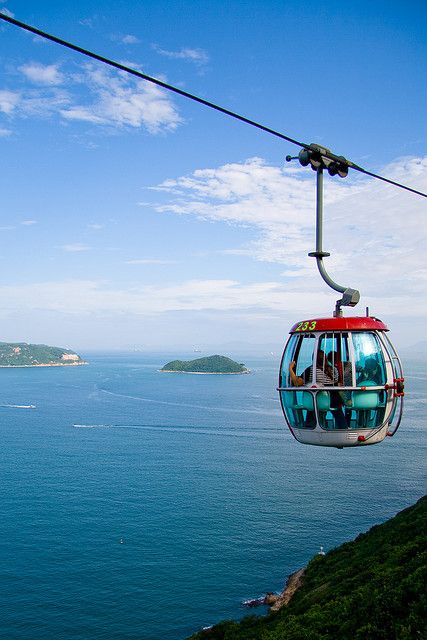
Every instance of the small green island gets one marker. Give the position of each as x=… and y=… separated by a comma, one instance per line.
x=22, y=354
x=209, y=365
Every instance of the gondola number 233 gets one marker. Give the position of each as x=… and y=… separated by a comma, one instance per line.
x=306, y=326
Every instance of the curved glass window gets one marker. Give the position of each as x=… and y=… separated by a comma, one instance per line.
x=335, y=361
x=369, y=360
x=288, y=357
x=300, y=349
x=299, y=409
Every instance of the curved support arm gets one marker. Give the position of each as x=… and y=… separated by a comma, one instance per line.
x=350, y=296
x=326, y=277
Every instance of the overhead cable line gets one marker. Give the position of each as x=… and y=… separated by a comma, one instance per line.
x=190, y=96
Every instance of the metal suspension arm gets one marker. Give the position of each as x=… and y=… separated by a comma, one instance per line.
x=350, y=296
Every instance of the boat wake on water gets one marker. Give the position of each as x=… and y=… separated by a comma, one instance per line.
x=189, y=405
x=239, y=433
x=92, y=426
x=17, y=406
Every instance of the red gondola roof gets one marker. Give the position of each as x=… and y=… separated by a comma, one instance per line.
x=339, y=324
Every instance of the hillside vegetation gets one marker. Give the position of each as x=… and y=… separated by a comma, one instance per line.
x=22, y=354
x=210, y=364
x=373, y=588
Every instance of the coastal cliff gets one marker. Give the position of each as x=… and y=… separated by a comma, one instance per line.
x=371, y=588
x=22, y=354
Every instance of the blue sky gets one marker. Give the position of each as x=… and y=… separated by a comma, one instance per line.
x=131, y=216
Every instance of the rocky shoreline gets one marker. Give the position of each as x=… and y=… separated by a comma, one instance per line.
x=48, y=364
x=278, y=600
x=207, y=373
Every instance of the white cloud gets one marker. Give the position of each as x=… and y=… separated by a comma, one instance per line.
x=76, y=296
x=150, y=261
x=87, y=22
x=82, y=113
x=130, y=39
x=370, y=228
x=42, y=74
x=124, y=102
x=279, y=203
x=197, y=56
x=95, y=227
x=4, y=133
x=9, y=100
x=38, y=103
x=114, y=99
x=126, y=39
x=75, y=248
x=220, y=296
x=28, y=223
x=7, y=12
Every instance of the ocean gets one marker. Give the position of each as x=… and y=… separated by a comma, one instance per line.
x=144, y=505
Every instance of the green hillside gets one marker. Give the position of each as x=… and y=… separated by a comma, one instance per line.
x=373, y=588
x=210, y=364
x=22, y=354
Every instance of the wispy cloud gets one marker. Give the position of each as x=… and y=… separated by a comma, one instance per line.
x=37, y=103
x=371, y=241
x=87, y=22
x=7, y=12
x=9, y=100
x=77, y=296
x=252, y=299
x=124, y=102
x=42, y=74
x=4, y=133
x=95, y=95
x=150, y=261
x=130, y=39
x=125, y=39
x=197, y=56
x=75, y=248
x=95, y=227
x=28, y=223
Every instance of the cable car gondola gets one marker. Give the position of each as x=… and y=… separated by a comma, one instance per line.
x=340, y=381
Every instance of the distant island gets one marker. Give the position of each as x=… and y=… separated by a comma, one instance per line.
x=22, y=354
x=211, y=364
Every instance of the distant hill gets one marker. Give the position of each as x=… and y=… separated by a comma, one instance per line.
x=416, y=351
x=210, y=364
x=370, y=589
x=22, y=354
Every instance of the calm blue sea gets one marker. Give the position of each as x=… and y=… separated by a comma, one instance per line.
x=143, y=505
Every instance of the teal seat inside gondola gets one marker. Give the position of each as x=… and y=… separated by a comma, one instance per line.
x=299, y=407
x=307, y=401
x=366, y=399
x=322, y=400
x=369, y=406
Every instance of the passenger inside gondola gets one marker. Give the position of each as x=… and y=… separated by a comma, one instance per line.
x=371, y=373
x=324, y=372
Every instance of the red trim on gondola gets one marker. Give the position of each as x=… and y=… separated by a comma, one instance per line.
x=339, y=324
x=399, y=385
